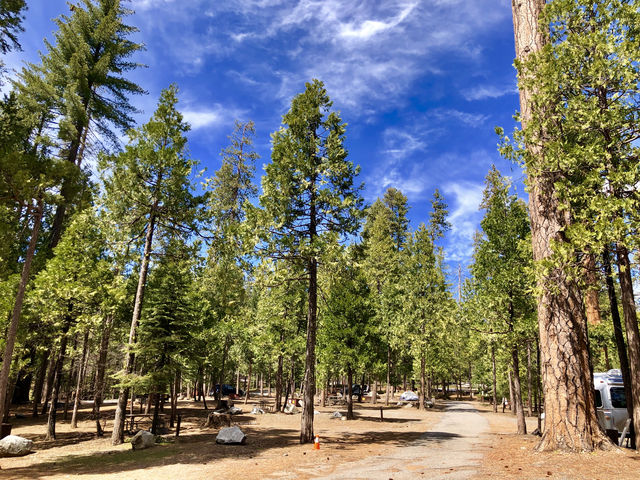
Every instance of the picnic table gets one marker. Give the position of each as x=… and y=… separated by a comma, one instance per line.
x=138, y=420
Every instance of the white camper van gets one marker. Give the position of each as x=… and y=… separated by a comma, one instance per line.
x=611, y=403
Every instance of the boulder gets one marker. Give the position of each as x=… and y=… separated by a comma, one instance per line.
x=142, y=440
x=409, y=396
x=257, y=411
x=231, y=436
x=15, y=446
x=235, y=411
x=290, y=408
x=336, y=414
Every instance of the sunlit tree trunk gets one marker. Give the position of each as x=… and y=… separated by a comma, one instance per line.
x=117, y=436
x=570, y=419
x=12, y=331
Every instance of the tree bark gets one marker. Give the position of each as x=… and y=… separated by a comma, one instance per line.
x=12, y=332
x=591, y=299
x=49, y=383
x=386, y=400
x=57, y=381
x=423, y=383
x=278, y=405
x=306, y=422
x=117, y=436
x=570, y=419
x=517, y=392
x=529, y=407
x=40, y=378
x=493, y=369
x=633, y=336
x=247, y=394
x=350, y=392
x=81, y=372
x=374, y=392
x=107, y=322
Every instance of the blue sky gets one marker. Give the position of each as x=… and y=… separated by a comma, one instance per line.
x=421, y=83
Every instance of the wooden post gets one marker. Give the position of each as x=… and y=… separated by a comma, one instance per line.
x=381, y=415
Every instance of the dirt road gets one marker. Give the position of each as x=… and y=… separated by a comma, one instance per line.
x=450, y=450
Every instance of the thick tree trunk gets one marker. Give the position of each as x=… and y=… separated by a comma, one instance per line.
x=517, y=393
x=12, y=332
x=306, y=422
x=57, y=381
x=81, y=372
x=350, y=393
x=570, y=419
x=107, y=321
x=117, y=436
x=633, y=336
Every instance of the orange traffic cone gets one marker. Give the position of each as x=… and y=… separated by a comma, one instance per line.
x=316, y=443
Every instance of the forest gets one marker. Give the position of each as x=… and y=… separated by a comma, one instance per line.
x=128, y=271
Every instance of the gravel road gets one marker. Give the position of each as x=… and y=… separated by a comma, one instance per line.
x=450, y=450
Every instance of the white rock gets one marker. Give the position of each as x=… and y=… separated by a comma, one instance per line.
x=15, y=446
x=235, y=410
x=290, y=408
x=142, y=440
x=336, y=414
x=231, y=436
x=409, y=396
x=257, y=411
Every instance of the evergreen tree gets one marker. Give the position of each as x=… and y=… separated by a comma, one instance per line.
x=148, y=188
x=82, y=76
x=499, y=272
x=568, y=384
x=308, y=195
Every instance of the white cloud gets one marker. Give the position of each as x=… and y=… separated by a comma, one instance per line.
x=202, y=119
x=464, y=200
x=368, y=53
x=370, y=28
x=212, y=117
x=483, y=92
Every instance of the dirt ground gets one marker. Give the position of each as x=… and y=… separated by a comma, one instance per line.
x=512, y=456
x=272, y=450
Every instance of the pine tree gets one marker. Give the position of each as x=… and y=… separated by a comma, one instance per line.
x=309, y=195
x=499, y=275
x=568, y=386
x=82, y=76
x=149, y=188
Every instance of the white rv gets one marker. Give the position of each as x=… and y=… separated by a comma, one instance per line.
x=611, y=403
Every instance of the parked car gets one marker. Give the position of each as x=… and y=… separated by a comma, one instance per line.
x=227, y=391
x=611, y=402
